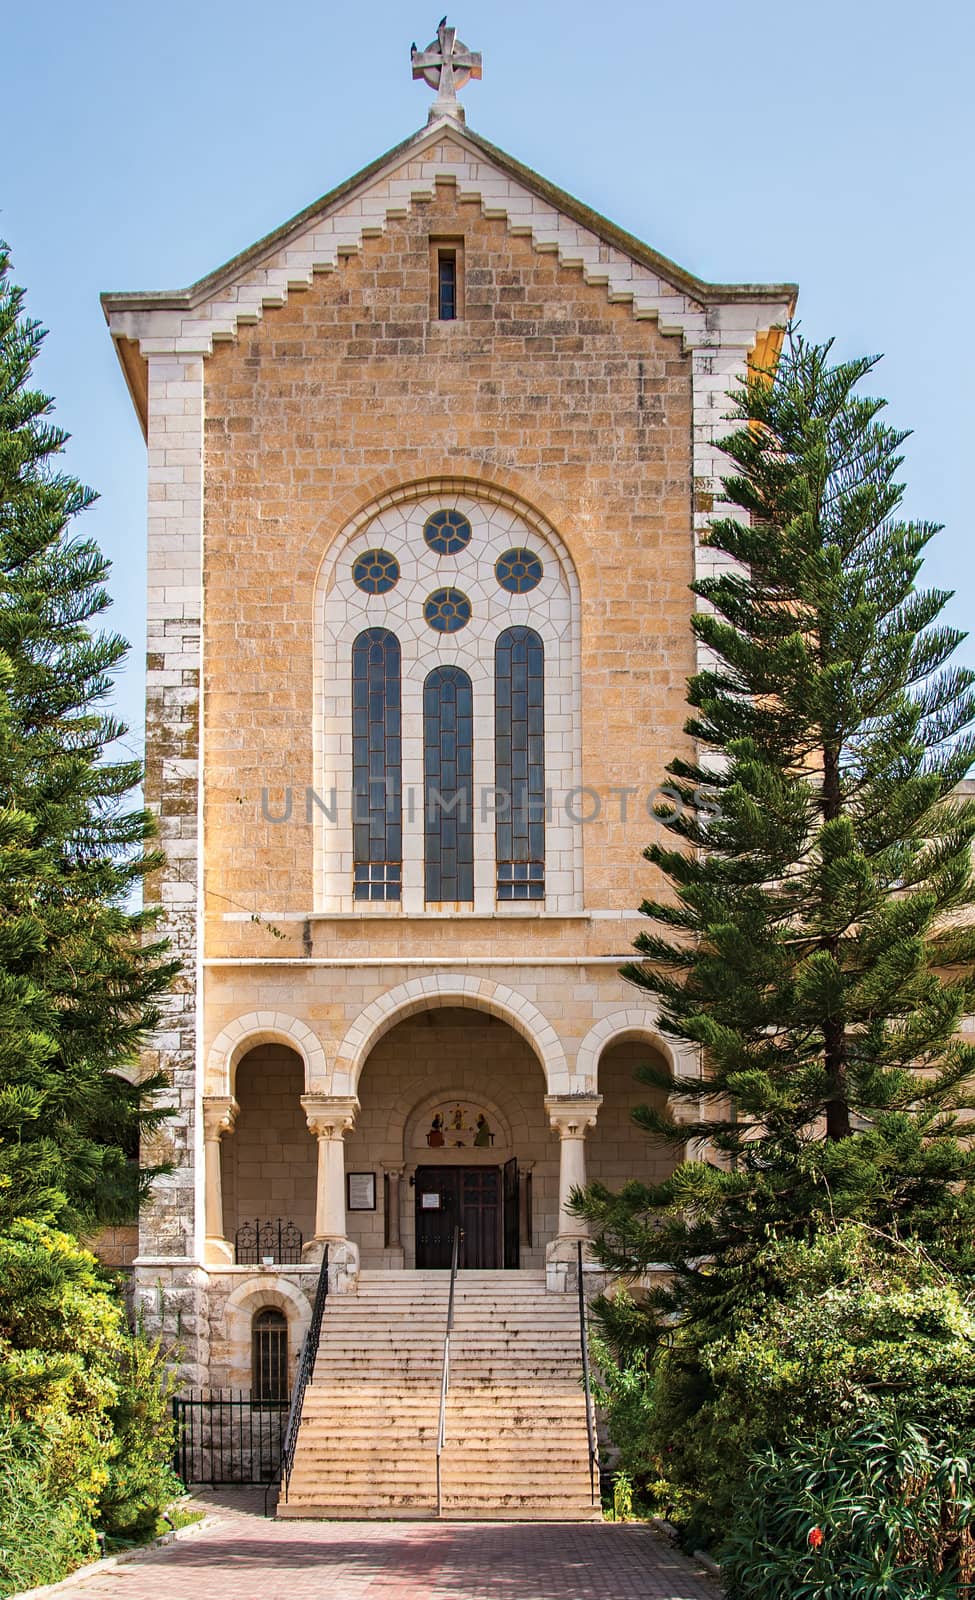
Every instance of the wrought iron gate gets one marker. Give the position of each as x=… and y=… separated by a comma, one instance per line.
x=225, y=1437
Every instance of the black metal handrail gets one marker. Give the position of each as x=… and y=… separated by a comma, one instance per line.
x=303, y=1377
x=587, y=1383
x=445, y=1367
x=262, y=1238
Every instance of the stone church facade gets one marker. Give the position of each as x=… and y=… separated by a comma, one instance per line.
x=427, y=469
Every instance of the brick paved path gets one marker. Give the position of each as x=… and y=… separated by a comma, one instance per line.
x=243, y=1557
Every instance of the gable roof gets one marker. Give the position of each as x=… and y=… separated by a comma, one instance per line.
x=152, y=321
x=225, y=275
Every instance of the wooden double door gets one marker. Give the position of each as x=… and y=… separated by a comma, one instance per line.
x=482, y=1202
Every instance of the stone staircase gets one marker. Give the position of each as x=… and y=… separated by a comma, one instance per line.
x=516, y=1444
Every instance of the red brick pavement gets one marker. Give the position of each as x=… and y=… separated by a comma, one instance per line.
x=243, y=1557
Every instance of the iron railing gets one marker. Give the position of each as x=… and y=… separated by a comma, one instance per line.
x=263, y=1240
x=303, y=1377
x=223, y=1437
x=587, y=1383
x=445, y=1367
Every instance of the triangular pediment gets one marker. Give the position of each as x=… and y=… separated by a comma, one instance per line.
x=316, y=240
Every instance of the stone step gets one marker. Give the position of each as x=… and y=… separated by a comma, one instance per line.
x=515, y=1416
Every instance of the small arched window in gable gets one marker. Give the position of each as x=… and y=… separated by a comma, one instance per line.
x=519, y=764
x=269, y=1359
x=377, y=767
x=448, y=781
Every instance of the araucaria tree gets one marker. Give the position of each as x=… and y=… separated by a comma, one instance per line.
x=80, y=975
x=818, y=943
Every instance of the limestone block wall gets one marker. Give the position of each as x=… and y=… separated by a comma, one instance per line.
x=546, y=390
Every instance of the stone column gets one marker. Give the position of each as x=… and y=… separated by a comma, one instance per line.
x=524, y=1203
x=219, y=1115
x=330, y=1118
x=570, y=1116
x=395, y=1245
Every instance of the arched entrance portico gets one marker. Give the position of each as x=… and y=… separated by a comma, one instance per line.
x=452, y=1121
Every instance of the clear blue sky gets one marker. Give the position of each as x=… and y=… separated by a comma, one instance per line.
x=830, y=145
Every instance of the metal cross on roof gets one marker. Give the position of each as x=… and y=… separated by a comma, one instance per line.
x=446, y=65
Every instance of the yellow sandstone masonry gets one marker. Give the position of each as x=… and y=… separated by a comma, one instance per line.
x=301, y=404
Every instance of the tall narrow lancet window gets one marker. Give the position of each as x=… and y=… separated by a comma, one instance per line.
x=377, y=782
x=448, y=771
x=519, y=764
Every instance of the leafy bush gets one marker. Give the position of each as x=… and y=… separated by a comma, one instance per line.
x=842, y=1328
x=85, y=1402
x=42, y=1537
x=880, y=1511
x=141, y=1481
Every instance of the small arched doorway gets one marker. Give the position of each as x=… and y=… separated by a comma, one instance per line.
x=269, y=1355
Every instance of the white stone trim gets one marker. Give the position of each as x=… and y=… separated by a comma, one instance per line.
x=264, y=1292
x=637, y=1023
x=342, y=611
x=442, y=154
x=263, y=1027
x=449, y=989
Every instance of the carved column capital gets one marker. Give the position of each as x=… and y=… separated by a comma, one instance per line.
x=572, y=1115
x=220, y=1112
x=330, y=1116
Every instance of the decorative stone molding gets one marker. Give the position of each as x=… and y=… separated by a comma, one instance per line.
x=220, y=1113
x=449, y=989
x=262, y=1027
x=330, y=1116
x=572, y=1115
x=316, y=242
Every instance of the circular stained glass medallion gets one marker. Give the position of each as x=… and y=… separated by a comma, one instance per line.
x=518, y=571
x=375, y=571
x=447, y=610
x=447, y=532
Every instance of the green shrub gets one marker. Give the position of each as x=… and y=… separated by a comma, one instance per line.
x=850, y=1323
x=42, y=1537
x=141, y=1481
x=880, y=1511
x=86, y=1399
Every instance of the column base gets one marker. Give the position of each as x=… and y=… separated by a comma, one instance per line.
x=343, y=1262
x=562, y=1260
x=217, y=1251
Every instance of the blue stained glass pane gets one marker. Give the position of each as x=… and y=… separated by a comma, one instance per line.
x=375, y=571
x=447, y=610
x=448, y=800
x=519, y=754
x=519, y=570
x=376, y=771
x=448, y=532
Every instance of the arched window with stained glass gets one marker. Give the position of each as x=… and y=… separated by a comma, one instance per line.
x=448, y=774
x=377, y=767
x=519, y=764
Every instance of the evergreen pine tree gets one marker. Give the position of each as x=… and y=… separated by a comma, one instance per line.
x=817, y=946
x=80, y=974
